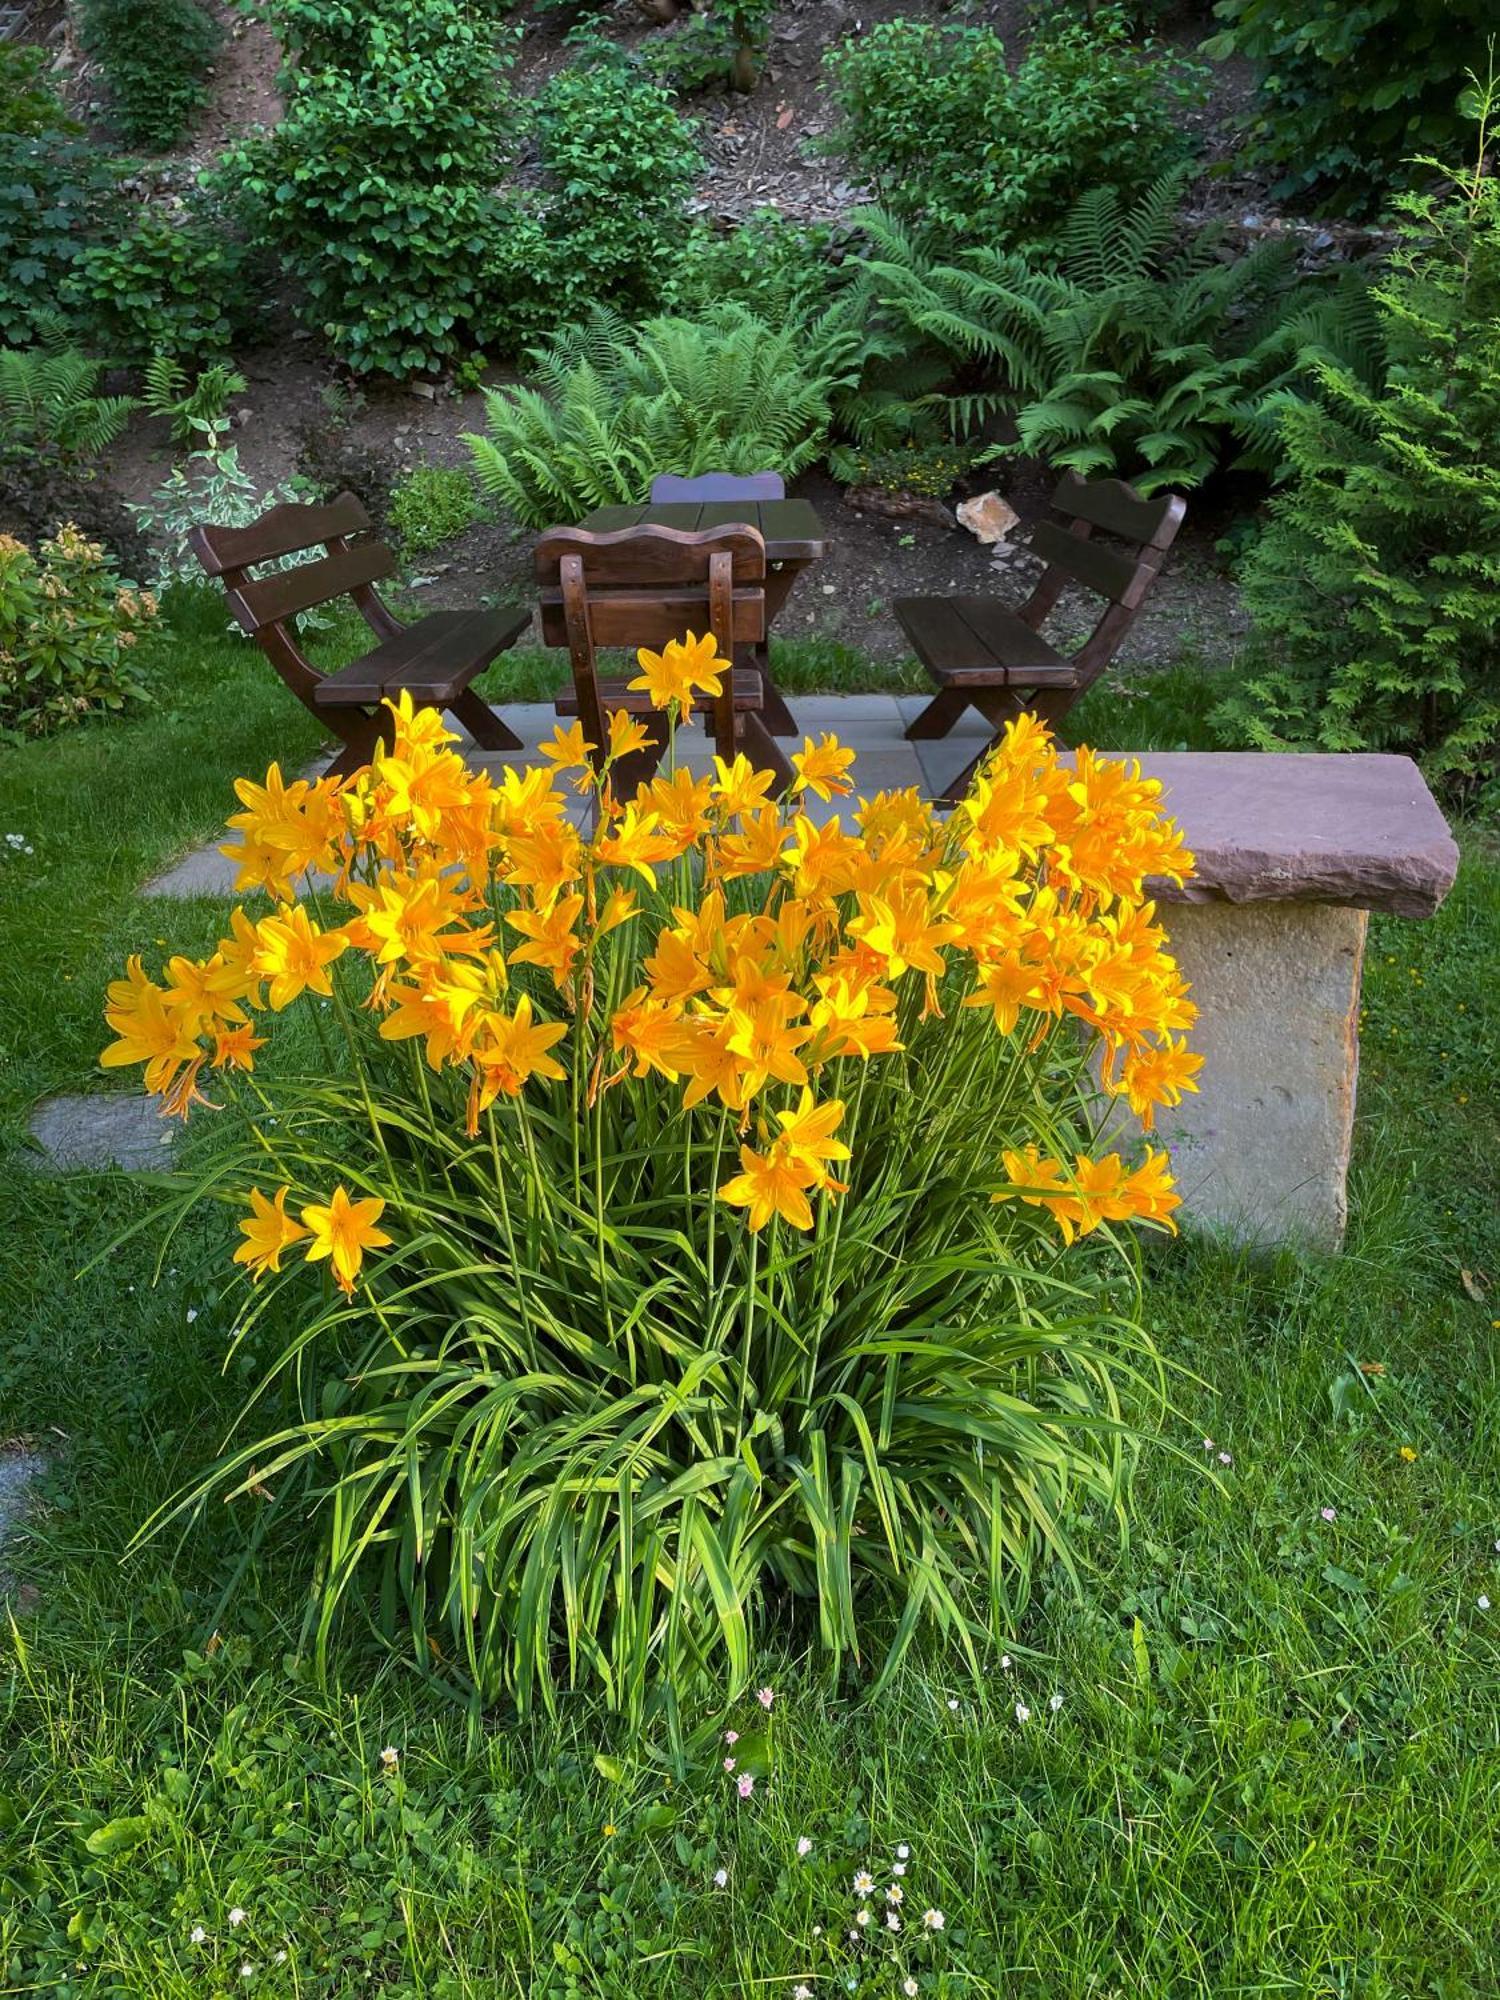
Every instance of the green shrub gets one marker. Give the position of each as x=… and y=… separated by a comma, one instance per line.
x=1376, y=587
x=170, y=284
x=778, y=269
x=155, y=55
x=1136, y=353
x=933, y=115
x=50, y=406
x=609, y=405
x=431, y=505
x=57, y=195
x=931, y=469
x=28, y=103
x=67, y=625
x=378, y=189
x=620, y=160
x=718, y=45
x=1347, y=94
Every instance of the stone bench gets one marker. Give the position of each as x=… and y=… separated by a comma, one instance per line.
x=1292, y=854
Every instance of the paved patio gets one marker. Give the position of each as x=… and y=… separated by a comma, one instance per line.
x=872, y=725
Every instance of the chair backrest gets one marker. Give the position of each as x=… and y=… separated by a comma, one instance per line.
x=263, y=605
x=1122, y=575
x=643, y=586
x=718, y=486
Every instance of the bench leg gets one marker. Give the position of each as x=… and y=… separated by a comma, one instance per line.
x=753, y=733
x=482, y=723
x=640, y=767
x=362, y=734
x=939, y=716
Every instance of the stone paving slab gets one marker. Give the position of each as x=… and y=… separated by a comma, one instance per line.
x=79, y=1133
x=19, y=1471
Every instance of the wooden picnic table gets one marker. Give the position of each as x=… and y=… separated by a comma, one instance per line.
x=793, y=536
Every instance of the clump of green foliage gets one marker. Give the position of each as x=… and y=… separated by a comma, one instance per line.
x=431, y=505
x=609, y=405
x=929, y=469
x=167, y=284
x=54, y=424
x=620, y=160
x=1133, y=351
x=378, y=188
x=28, y=103
x=1347, y=94
x=67, y=627
x=57, y=195
x=1376, y=587
x=155, y=55
x=951, y=135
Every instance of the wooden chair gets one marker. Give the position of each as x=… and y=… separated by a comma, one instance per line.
x=433, y=660
x=997, y=661
x=641, y=587
x=718, y=486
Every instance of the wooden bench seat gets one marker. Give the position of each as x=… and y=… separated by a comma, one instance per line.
x=434, y=661
x=983, y=655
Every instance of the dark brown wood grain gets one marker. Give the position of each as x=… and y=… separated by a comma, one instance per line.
x=984, y=655
x=433, y=660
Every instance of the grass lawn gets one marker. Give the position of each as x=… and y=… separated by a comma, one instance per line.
x=1275, y=1765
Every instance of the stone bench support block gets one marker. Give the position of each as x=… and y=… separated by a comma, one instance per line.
x=1292, y=853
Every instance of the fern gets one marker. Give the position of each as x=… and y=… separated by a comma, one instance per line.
x=49, y=404
x=608, y=406
x=1135, y=351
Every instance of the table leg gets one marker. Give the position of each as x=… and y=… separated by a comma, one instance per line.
x=775, y=714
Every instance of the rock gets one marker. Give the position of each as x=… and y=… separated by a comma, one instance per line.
x=242, y=417
x=97, y=1132
x=899, y=506
x=987, y=517
x=426, y=390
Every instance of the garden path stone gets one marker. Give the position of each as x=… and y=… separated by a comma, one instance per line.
x=19, y=1471
x=94, y=1133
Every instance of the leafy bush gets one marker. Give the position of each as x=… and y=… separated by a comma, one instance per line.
x=1347, y=95
x=722, y=44
x=701, y=1204
x=28, y=103
x=949, y=134
x=378, y=187
x=431, y=505
x=155, y=55
x=67, y=625
x=1133, y=353
x=1375, y=588
x=778, y=269
x=57, y=195
x=609, y=405
x=170, y=284
x=621, y=160
x=933, y=469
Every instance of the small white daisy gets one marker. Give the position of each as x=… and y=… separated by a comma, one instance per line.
x=933, y=1919
x=895, y=1894
x=236, y=1915
x=1005, y=1663
x=1023, y=1713
x=898, y=1868
x=1054, y=1702
x=908, y=1986
x=390, y=1757
x=804, y=1845
x=721, y=1877
x=892, y=1921
x=247, y=1970
x=952, y=1706
x=197, y=1934
x=863, y=1918
x=802, y=1993
x=1484, y=1602
x=864, y=1883
x=903, y=1852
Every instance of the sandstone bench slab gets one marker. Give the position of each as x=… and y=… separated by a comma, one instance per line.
x=1292, y=854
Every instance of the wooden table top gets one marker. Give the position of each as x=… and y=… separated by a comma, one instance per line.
x=791, y=529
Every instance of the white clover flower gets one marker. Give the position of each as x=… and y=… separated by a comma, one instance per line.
x=817, y=1930
x=854, y=1937
x=804, y=1845
x=864, y=1883
x=197, y=1934
x=952, y=1705
x=731, y=1736
x=236, y=1915
x=765, y=1696
x=892, y=1921
x=908, y=1986
x=933, y=1919
x=802, y=1992
x=1226, y=1458
x=281, y=1958
x=903, y=1852
x=1484, y=1602
x=1208, y=1444
x=1023, y=1713
x=1005, y=1663
x=744, y=1784
x=898, y=1868
x=247, y=1970
x=721, y=1877
x=1054, y=1702
x=390, y=1757
x=728, y=1763
x=1330, y=1513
